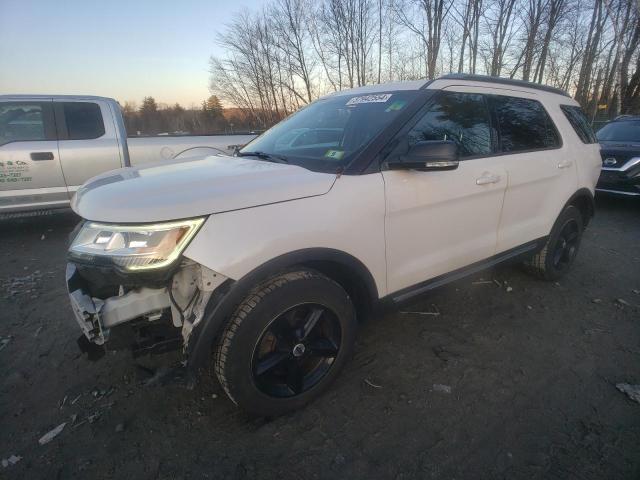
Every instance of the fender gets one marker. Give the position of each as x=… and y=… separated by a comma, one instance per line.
x=226, y=298
x=583, y=199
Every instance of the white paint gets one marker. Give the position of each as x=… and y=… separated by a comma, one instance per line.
x=192, y=188
x=349, y=218
x=404, y=226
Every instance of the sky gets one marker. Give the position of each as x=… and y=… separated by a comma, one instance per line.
x=115, y=48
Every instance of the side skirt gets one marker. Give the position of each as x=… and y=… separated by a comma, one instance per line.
x=518, y=253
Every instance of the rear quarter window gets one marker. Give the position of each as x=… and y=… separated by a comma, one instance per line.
x=580, y=123
x=83, y=120
x=524, y=124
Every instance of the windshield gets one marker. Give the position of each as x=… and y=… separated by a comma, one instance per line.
x=623, y=131
x=330, y=132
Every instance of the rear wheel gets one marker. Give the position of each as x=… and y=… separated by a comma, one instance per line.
x=286, y=342
x=559, y=253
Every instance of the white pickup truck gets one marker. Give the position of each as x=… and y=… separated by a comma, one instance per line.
x=52, y=144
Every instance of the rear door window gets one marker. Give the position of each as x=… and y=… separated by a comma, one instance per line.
x=22, y=121
x=579, y=122
x=460, y=117
x=523, y=124
x=83, y=120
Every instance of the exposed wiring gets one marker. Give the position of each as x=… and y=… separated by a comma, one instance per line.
x=175, y=304
x=189, y=304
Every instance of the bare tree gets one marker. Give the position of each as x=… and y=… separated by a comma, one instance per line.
x=554, y=13
x=427, y=24
x=465, y=20
x=629, y=88
x=500, y=26
x=284, y=56
x=289, y=19
x=621, y=13
x=589, y=57
x=534, y=15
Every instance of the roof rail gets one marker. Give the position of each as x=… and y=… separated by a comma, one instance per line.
x=504, y=81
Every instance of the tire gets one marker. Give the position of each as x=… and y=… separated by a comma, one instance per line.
x=559, y=253
x=285, y=343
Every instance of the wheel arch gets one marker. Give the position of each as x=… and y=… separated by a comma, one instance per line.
x=583, y=200
x=343, y=268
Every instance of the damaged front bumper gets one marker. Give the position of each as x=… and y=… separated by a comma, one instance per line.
x=143, y=314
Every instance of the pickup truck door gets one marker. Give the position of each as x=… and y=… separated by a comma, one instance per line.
x=441, y=221
x=30, y=173
x=88, y=140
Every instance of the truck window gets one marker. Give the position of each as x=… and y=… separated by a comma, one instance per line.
x=83, y=120
x=579, y=122
x=21, y=122
x=524, y=124
x=460, y=117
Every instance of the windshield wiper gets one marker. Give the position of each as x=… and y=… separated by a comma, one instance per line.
x=269, y=157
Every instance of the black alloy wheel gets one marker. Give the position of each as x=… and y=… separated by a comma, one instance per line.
x=296, y=350
x=286, y=342
x=566, y=245
x=557, y=256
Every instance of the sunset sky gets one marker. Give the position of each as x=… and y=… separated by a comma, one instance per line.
x=115, y=48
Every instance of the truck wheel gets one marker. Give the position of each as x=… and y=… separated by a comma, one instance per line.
x=285, y=343
x=558, y=254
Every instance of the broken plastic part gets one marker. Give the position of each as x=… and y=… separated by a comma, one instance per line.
x=195, y=283
x=186, y=297
x=133, y=304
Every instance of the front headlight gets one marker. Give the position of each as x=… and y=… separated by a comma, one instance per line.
x=131, y=248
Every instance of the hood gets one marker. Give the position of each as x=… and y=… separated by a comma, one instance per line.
x=617, y=154
x=192, y=188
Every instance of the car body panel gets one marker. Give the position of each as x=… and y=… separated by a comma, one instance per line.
x=81, y=160
x=193, y=188
x=349, y=218
x=620, y=168
x=440, y=221
x=27, y=184
x=539, y=182
x=404, y=227
x=50, y=184
x=143, y=150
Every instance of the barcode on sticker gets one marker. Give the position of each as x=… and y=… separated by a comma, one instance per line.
x=374, y=98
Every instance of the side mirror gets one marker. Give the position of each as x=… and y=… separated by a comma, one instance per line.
x=432, y=155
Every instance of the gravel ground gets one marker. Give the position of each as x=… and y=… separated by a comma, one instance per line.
x=511, y=383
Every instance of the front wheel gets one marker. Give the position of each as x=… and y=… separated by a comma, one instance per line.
x=559, y=253
x=286, y=342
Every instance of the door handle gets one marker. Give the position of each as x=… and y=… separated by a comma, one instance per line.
x=41, y=156
x=487, y=179
x=565, y=164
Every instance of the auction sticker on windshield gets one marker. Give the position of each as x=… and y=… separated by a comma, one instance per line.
x=374, y=98
x=335, y=154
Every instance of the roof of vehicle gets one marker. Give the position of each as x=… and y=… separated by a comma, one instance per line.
x=25, y=97
x=422, y=84
x=384, y=87
x=503, y=81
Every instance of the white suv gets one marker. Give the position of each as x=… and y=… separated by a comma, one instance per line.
x=263, y=263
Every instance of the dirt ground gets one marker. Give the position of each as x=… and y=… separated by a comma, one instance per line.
x=514, y=383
